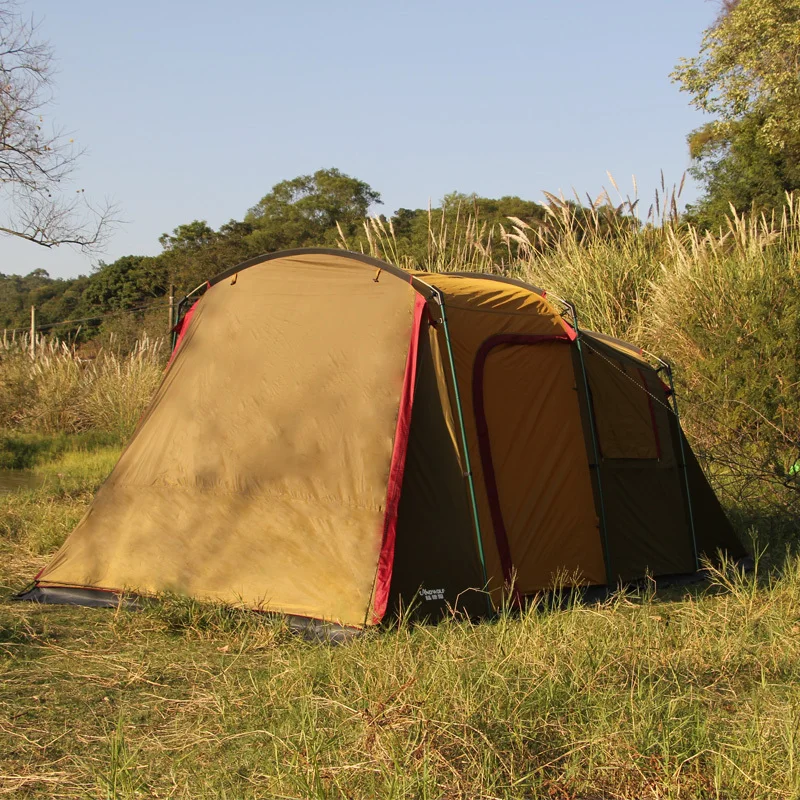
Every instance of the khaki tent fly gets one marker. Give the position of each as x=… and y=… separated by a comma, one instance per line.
x=335, y=438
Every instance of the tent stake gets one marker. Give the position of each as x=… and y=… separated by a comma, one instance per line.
x=595, y=447
x=470, y=480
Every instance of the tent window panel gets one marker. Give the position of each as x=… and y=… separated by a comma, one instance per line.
x=623, y=410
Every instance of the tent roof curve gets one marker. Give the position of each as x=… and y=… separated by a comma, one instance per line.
x=423, y=288
x=474, y=288
x=492, y=277
x=425, y=283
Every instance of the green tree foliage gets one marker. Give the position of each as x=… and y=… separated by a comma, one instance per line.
x=306, y=211
x=746, y=74
x=748, y=64
x=129, y=282
x=54, y=299
x=739, y=170
x=195, y=252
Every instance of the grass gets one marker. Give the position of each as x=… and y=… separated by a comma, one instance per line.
x=689, y=694
x=20, y=450
x=34, y=522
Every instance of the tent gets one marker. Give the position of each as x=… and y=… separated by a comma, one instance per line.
x=335, y=437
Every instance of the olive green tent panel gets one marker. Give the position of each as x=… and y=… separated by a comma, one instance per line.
x=436, y=564
x=648, y=525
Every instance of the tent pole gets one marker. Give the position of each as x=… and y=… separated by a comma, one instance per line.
x=595, y=447
x=674, y=399
x=178, y=309
x=467, y=466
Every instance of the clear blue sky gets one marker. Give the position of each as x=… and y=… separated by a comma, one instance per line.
x=194, y=110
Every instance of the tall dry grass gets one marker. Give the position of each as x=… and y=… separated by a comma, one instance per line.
x=726, y=309
x=55, y=389
x=597, y=255
x=723, y=307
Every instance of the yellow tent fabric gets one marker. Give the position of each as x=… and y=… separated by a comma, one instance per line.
x=258, y=476
x=478, y=309
x=548, y=513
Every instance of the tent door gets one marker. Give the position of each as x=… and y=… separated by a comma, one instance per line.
x=534, y=461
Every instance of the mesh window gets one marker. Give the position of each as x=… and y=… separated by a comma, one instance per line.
x=623, y=409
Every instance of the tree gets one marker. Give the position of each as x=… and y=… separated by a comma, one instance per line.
x=128, y=282
x=739, y=170
x=55, y=299
x=747, y=75
x=35, y=163
x=195, y=252
x=306, y=210
x=190, y=236
x=748, y=64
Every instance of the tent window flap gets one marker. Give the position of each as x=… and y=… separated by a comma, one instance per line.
x=623, y=410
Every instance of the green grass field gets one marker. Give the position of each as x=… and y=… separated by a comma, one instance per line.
x=691, y=694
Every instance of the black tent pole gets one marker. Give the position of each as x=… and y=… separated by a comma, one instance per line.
x=595, y=446
x=684, y=467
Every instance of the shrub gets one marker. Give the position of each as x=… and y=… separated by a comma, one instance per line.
x=727, y=311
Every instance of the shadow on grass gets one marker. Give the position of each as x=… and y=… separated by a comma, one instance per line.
x=24, y=639
x=772, y=532
x=28, y=450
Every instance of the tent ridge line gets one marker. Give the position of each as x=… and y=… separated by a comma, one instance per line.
x=385, y=266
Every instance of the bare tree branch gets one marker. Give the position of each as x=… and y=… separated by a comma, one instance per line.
x=36, y=163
